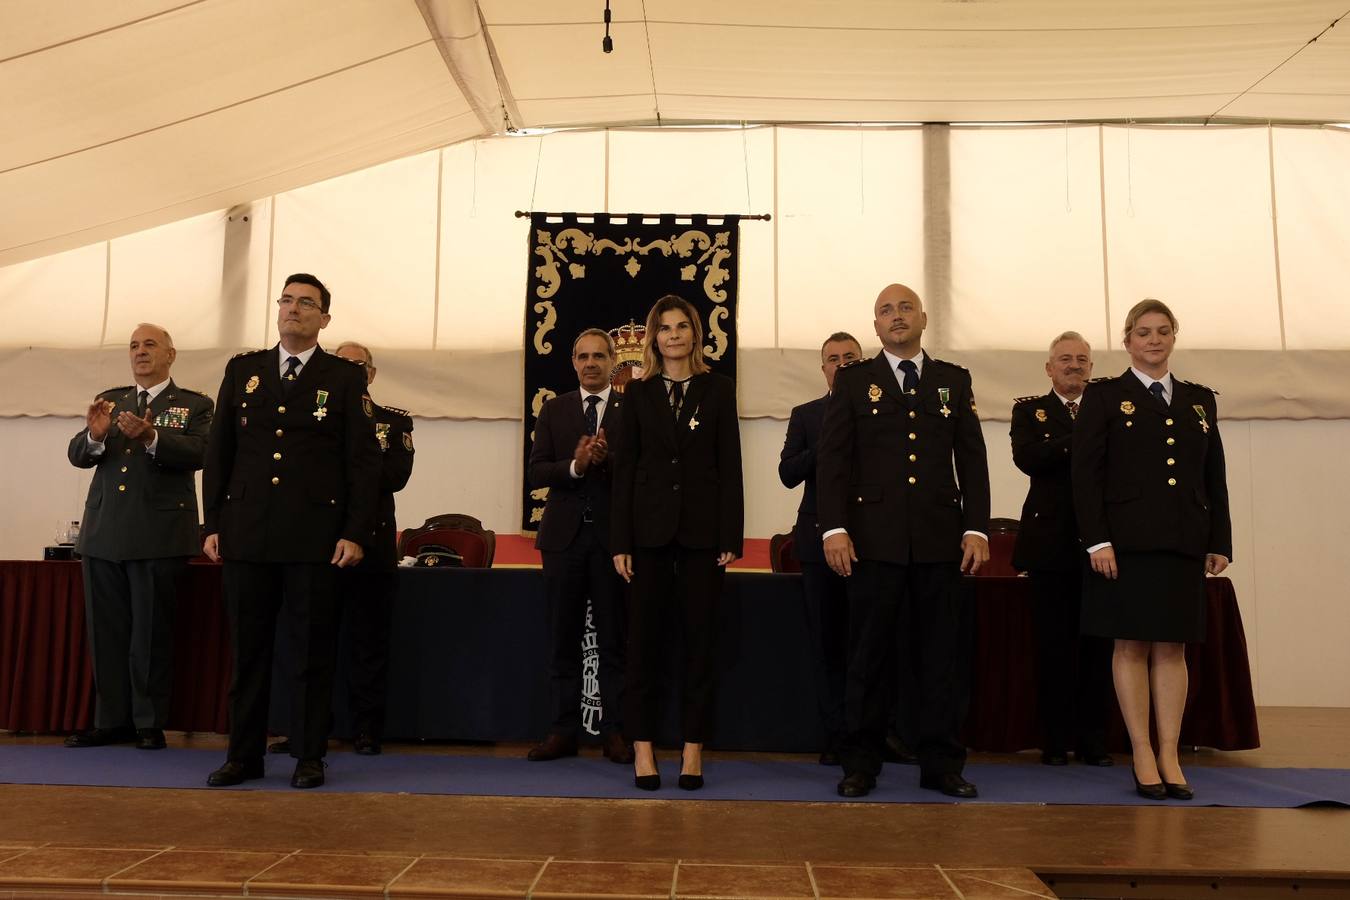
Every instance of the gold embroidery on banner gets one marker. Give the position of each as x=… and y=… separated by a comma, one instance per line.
x=539, y=494
x=537, y=514
x=632, y=267
x=544, y=326
x=542, y=396
x=547, y=271
x=718, y=336
x=573, y=241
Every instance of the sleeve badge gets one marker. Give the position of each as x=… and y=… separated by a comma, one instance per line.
x=407, y=441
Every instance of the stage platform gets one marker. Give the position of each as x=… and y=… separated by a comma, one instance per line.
x=164, y=842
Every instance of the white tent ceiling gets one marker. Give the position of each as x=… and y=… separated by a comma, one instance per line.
x=119, y=116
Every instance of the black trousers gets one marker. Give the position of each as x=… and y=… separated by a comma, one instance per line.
x=672, y=586
x=306, y=594
x=585, y=572
x=128, y=611
x=826, y=596
x=1073, y=672
x=919, y=615
x=367, y=600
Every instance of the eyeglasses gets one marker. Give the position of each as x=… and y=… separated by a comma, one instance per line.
x=302, y=302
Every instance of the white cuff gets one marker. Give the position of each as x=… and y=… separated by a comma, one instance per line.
x=1095, y=547
x=96, y=448
x=833, y=531
x=154, y=445
x=979, y=534
x=572, y=470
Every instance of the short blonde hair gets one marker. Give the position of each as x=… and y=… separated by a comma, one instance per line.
x=1143, y=308
x=1069, y=336
x=651, y=356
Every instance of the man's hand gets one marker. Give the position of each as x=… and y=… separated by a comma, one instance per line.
x=599, y=449
x=347, y=553
x=581, y=458
x=1104, y=562
x=211, y=547
x=839, y=553
x=623, y=564
x=98, y=419
x=1214, y=563
x=136, y=428
x=974, y=553
x=726, y=559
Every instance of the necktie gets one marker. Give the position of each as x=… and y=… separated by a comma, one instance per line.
x=911, y=375
x=676, y=397
x=1156, y=389
x=288, y=378
x=144, y=401
x=592, y=419
x=1073, y=409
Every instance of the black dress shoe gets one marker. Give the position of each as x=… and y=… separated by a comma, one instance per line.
x=308, y=774
x=1054, y=758
x=235, y=772
x=101, y=737
x=1178, y=791
x=555, y=746
x=648, y=782
x=690, y=782
x=1149, y=791
x=856, y=785
x=367, y=744
x=149, y=739
x=895, y=750
x=282, y=746
x=616, y=749
x=1094, y=758
x=949, y=783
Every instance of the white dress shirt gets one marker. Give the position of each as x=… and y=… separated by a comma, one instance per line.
x=283, y=355
x=96, y=448
x=599, y=416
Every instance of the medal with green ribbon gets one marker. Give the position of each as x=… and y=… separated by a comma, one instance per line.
x=944, y=397
x=320, y=399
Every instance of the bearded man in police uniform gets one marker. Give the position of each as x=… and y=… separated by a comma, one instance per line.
x=144, y=442
x=291, y=488
x=902, y=530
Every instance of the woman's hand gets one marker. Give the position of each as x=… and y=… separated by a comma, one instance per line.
x=726, y=558
x=1215, y=563
x=1104, y=562
x=623, y=564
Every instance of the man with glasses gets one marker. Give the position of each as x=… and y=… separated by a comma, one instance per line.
x=291, y=487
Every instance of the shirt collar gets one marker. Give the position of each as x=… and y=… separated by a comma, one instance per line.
x=303, y=356
x=1065, y=400
x=152, y=391
x=1147, y=380
x=895, y=361
x=603, y=395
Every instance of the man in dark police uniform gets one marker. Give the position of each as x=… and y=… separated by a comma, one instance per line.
x=291, y=488
x=144, y=441
x=902, y=529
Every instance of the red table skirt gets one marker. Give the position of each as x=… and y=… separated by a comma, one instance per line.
x=46, y=683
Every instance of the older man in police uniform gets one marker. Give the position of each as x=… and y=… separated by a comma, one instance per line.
x=291, y=489
x=144, y=442
x=1073, y=674
x=902, y=529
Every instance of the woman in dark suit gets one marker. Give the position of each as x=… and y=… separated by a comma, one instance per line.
x=1152, y=503
x=678, y=519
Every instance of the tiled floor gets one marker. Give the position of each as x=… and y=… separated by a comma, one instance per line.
x=76, y=872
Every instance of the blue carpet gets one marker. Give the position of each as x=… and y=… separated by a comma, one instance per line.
x=423, y=773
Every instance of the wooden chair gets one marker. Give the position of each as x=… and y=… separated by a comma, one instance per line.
x=465, y=534
x=783, y=553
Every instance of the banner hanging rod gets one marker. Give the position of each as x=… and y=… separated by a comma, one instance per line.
x=761, y=217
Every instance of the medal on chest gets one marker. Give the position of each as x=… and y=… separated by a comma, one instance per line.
x=320, y=404
x=944, y=397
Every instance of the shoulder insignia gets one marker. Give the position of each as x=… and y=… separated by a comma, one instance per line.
x=398, y=412
x=407, y=441
x=855, y=362
x=244, y=353
x=1027, y=399
x=354, y=362
x=195, y=393
x=117, y=390
x=1203, y=387
x=1101, y=378
x=948, y=363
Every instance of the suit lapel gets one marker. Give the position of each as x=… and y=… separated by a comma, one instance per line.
x=880, y=369
x=1141, y=398
x=615, y=402
x=660, y=402
x=1058, y=411
x=269, y=371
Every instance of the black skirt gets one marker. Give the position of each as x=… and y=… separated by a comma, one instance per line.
x=1158, y=596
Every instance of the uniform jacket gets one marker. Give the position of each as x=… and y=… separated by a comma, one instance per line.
x=797, y=465
x=560, y=426
x=905, y=475
x=1042, y=432
x=1148, y=477
x=142, y=506
x=393, y=432
x=679, y=481
x=289, y=472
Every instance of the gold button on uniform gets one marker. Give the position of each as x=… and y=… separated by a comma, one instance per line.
x=281, y=409
x=1172, y=481
x=913, y=458
x=1171, y=441
x=276, y=456
x=913, y=480
x=1169, y=422
x=121, y=487
x=874, y=411
x=1171, y=461
x=913, y=436
x=126, y=452
x=276, y=480
x=124, y=468
x=913, y=414
x=280, y=432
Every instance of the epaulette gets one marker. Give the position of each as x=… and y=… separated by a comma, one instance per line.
x=115, y=390
x=1101, y=378
x=947, y=363
x=1203, y=387
x=854, y=362
x=191, y=391
x=1027, y=399
x=355, y=362
x=247, y=353
x=396, y=411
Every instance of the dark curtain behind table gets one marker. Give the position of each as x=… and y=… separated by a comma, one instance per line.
x=605, y=271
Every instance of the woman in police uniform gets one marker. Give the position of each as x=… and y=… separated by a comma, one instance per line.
x=677, y=519
x=1152, y=503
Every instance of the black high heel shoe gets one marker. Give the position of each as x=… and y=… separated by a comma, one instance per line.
x=690, y=782
x=1149, y=791
x=1178, y=791
x=648, y=782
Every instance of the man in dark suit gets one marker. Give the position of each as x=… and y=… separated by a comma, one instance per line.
x=291, y=488
x=144, y=442
x=825, y=593
x=1073, y=674
x=571, y=459
x=902, y=529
